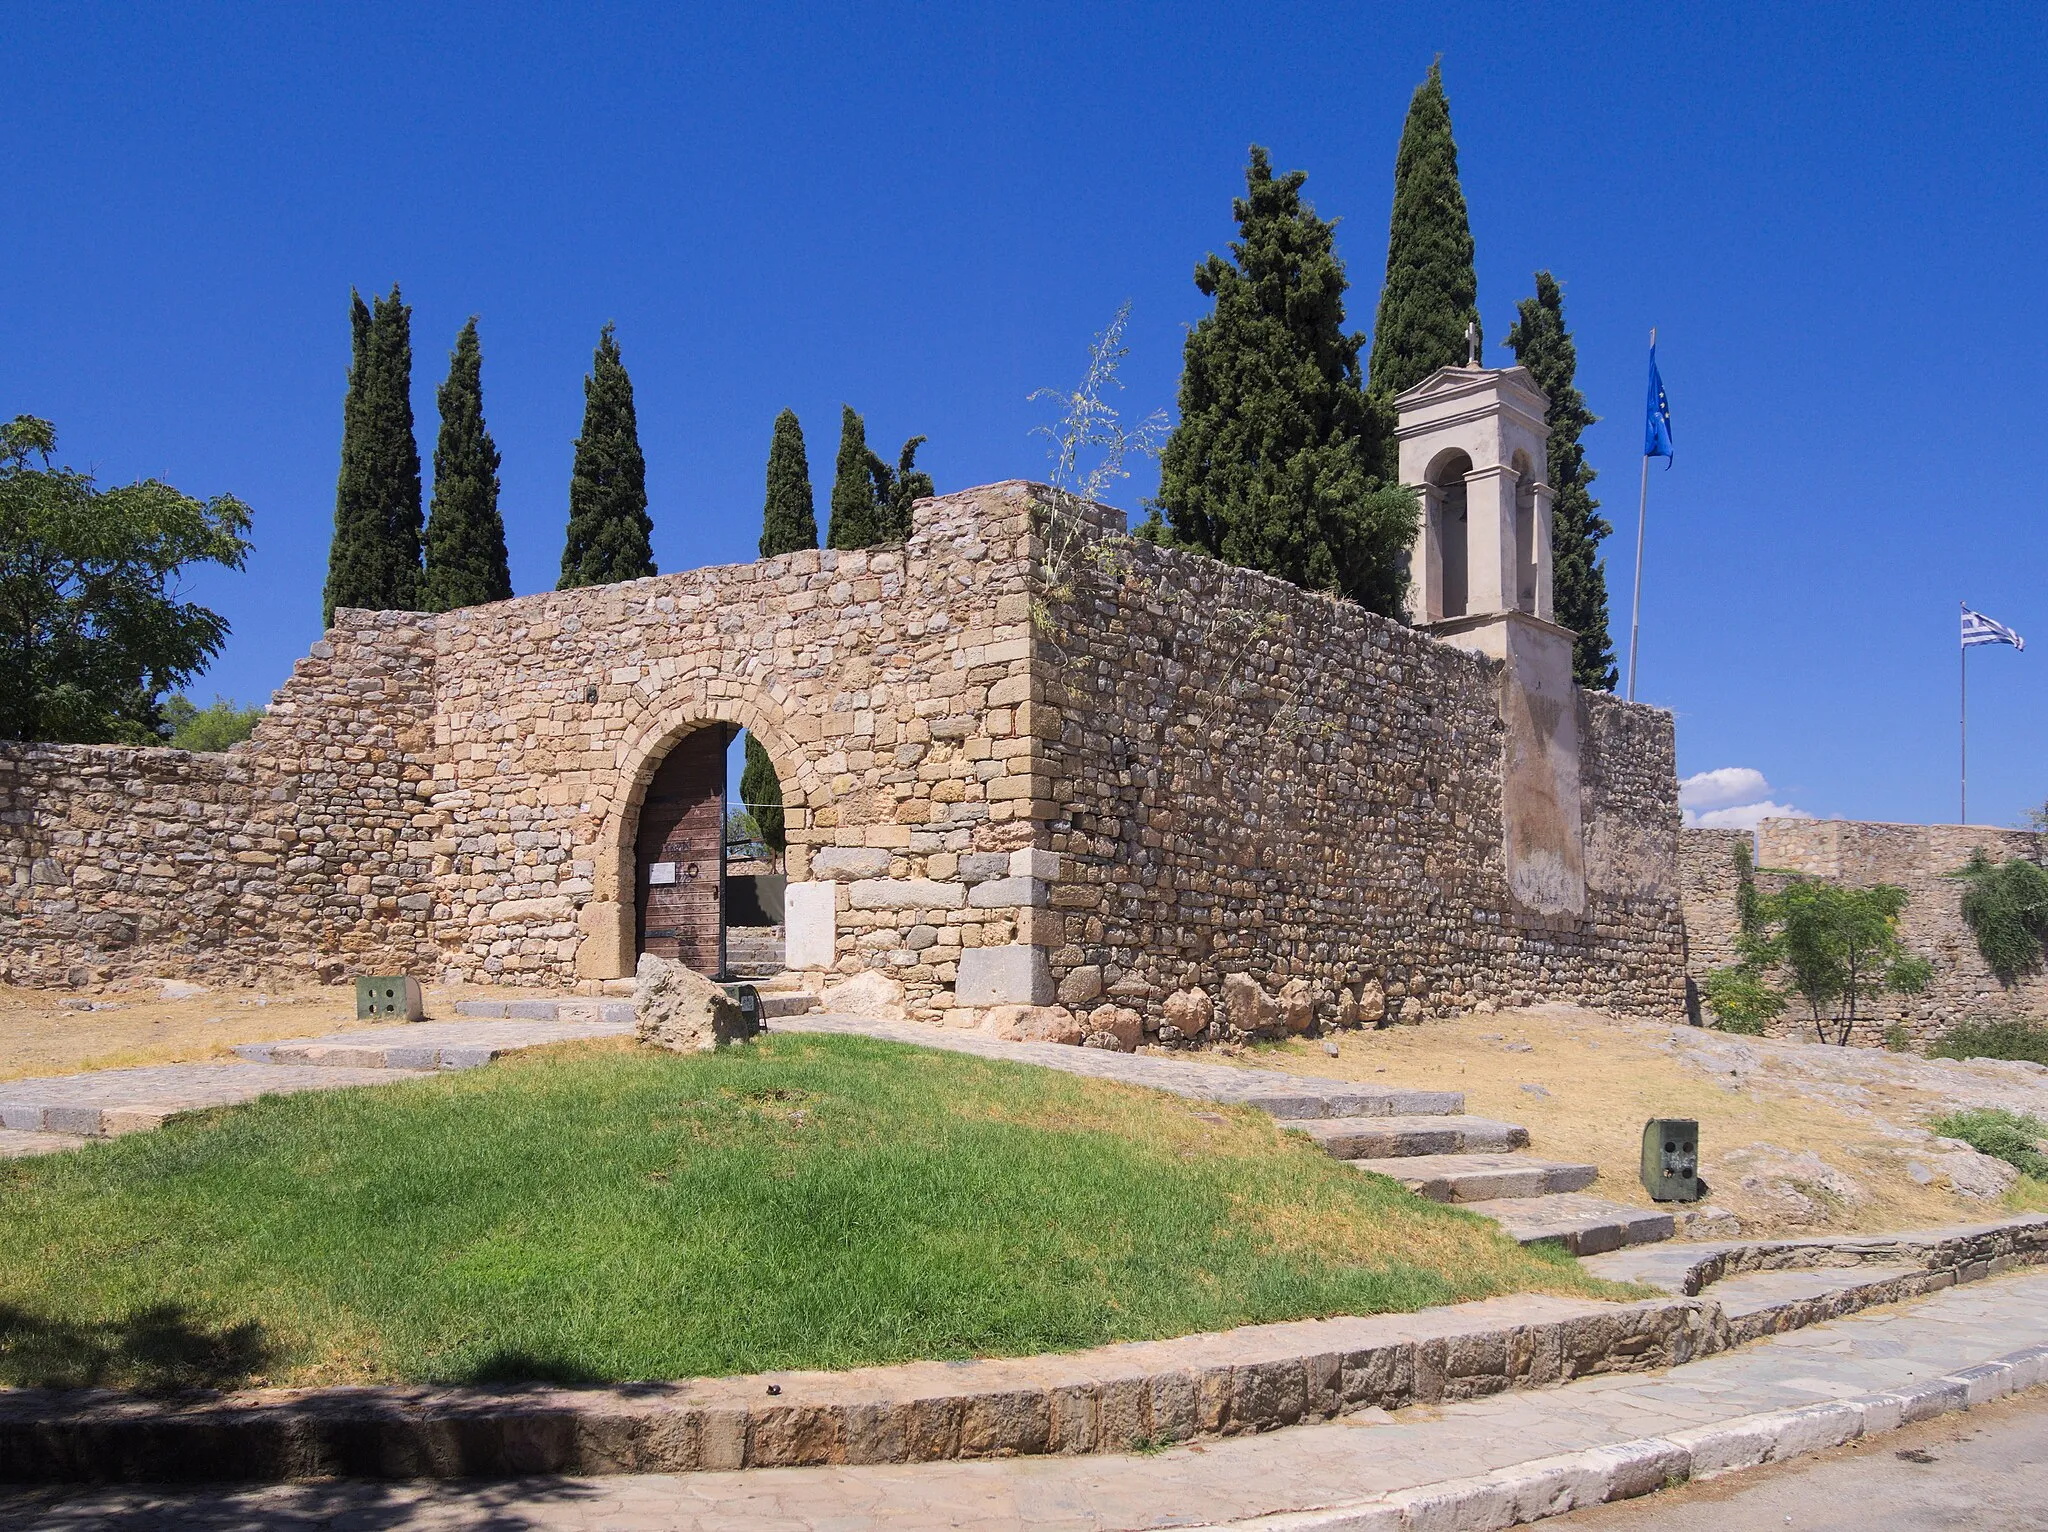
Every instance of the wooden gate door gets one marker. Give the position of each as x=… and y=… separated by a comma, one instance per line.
x=681, y=854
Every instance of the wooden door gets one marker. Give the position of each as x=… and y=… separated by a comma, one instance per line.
x=681, y=854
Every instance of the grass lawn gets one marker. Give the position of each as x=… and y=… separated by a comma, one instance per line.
x=603, y=1212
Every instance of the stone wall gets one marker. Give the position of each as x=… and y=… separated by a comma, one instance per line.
x=1917, y=858
x=1252, y=778
x=1018, y=753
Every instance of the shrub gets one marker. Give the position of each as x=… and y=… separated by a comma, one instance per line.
x=2012, y=1039
x=2014, y=1137
x=2006, y=908
x=1898, y=1038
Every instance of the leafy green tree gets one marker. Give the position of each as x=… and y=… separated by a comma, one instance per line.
x=92, y=632
x=789, y=519
x=1431, y=292
x=374, y=560
x=466, y=560
x=761, y=795
x=854, y=522
x=1542, y=344
x=1277, y=461
x=1835, y=948
x=610, y=533
x=896, y=490
x=189, y=726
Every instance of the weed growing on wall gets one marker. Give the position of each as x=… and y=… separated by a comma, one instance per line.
x=2005, y=905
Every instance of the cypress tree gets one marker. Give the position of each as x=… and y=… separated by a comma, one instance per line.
x=896, y=490
x=1276, y=462
x=789, y=519
x=1431, y=292
x=374, y=559
x=1542, y=344
x=853, y=523
x=609, y=528
x=761, y=793
x=465, y=545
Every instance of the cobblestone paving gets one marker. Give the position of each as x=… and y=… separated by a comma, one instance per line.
x=1214, y=1480
x=1280, y=1094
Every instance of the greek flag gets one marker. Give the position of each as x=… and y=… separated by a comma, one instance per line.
x=1979, y=629
x=1657, y=417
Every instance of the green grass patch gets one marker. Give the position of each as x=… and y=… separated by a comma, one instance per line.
x=2015, y=1137
x=605, y=1213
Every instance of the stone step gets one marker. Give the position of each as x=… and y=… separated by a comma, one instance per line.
x=1482, y=1177
x=775, y=1006
x=113, y=1101
x=16, y=1144
x=1583, y=1225
x=1404, y=1136
x=576, y=1008
x=430, y=1044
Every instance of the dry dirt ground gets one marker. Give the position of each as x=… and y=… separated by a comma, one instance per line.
x=1794, y=1136
x=148, y=1021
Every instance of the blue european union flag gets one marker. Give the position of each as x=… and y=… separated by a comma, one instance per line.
x=1657, y=426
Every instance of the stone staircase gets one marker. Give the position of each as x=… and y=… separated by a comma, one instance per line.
x=1450, y=1157
x=753, y=953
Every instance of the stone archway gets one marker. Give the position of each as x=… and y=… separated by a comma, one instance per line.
x=608, y=947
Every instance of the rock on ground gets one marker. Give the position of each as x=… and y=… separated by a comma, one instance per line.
x=1032, y=1024
x=871, y=994
x=677, y=1008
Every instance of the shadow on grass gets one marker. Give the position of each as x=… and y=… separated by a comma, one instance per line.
x=513, y=1505
x=516, y=1366
x=160, y=1349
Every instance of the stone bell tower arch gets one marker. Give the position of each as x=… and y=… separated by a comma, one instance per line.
x=1473, y=445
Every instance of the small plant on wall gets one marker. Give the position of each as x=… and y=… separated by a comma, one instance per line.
x=1817, y=944
x=2005, y=905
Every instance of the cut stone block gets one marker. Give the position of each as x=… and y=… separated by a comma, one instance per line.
x=1034, y=863
x=810, y=913
x=1583, y=1225
x=1481, y=1177
x=1379, y=1138
x=1008, y=975
x=1007, y=894
x=905, y=894
x=845, y=863
x=980, y=866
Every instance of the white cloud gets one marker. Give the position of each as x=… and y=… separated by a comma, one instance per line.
x=1743, y=816
x=1722, y=786
x=1731, y=798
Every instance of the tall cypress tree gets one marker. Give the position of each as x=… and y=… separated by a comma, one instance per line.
x=1276, y=462
x=1542, y=344
x=853, y=523
x=1431, y=292
x=896, y=490
x=465, y=544
x=609, y=528
x=374, y=559
x=789, y=518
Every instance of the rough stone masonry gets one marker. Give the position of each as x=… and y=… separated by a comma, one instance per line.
x=1025, y=758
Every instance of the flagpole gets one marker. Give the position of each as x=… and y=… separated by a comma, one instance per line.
x=1963, y=729
x=1635, y=619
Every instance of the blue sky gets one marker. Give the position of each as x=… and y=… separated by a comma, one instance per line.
x=1834, y=214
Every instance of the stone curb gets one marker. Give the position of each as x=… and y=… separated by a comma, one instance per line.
x=1251, y=1379
x=1102, y=1400
x=1545, y=1487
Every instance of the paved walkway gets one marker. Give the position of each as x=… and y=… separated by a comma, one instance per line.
x=1280, y=1095
x=1202, y=1483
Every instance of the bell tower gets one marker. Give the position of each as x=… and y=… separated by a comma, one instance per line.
x=1473, y=446
x=1472, y=443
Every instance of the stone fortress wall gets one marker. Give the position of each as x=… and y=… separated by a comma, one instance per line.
x=1172, y=771
x=1252, y=778
x=1917, y=858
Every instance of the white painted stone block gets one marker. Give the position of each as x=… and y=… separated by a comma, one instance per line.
x=810, y=920
x=1009, y=975
x=906, y=894
x=1033, y=863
